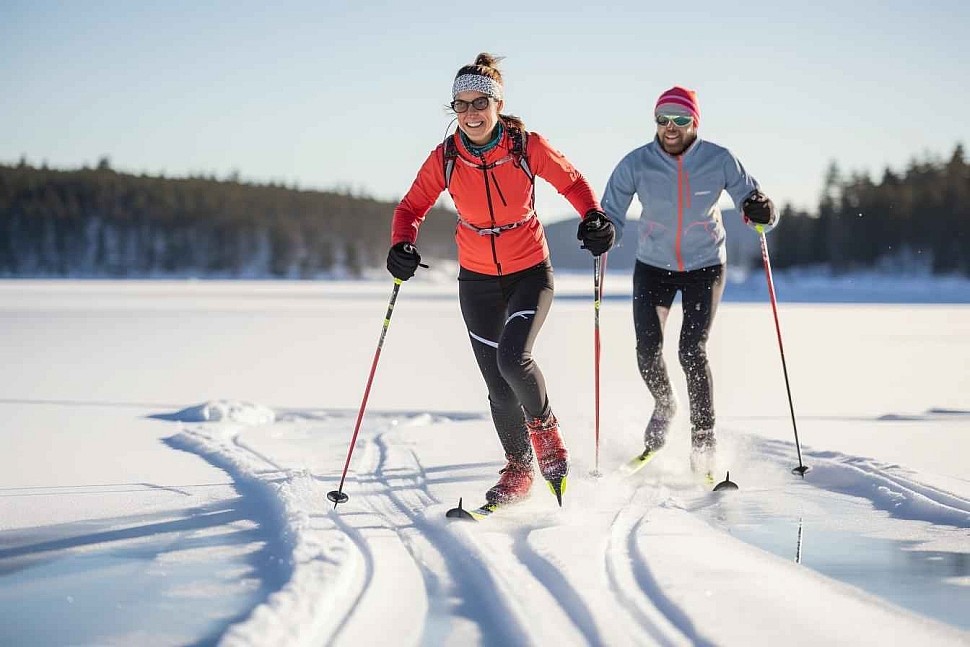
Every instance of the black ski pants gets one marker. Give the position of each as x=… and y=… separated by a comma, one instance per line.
x=653, y=294
x=503, y=315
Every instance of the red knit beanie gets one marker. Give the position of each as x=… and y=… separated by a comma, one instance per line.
x=682, y=98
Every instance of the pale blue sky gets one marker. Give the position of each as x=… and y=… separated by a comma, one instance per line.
x=353, y=94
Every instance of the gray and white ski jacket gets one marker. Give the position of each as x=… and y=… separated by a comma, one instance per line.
x=680, y=223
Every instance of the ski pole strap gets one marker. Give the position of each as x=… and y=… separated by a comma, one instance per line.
x=495, y=231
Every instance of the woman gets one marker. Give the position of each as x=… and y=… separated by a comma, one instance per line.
x=505, y=284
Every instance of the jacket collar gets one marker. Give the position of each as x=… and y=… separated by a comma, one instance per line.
x=690, y=149
x=500, y=149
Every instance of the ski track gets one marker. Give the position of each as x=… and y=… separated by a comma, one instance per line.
x=887, y=487
x=654, y=592
x=620, y=555
x=509, y=586
x=318, y=554
x=486, y=601
x=392, y=541
x=387, y=496
x=511, y=592
x=390, y=531
x=527, y=548
x=380, y=530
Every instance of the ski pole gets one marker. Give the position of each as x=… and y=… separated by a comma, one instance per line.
x=338, y=496
x=599, y=274
x=801, y=469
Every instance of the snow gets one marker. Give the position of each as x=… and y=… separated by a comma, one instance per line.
x=168, y=447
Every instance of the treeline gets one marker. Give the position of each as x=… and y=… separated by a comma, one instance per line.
x=917, y=220
x=98, y=222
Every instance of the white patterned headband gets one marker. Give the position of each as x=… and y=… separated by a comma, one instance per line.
x=477, y=83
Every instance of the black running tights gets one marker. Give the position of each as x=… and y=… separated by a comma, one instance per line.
x=653, y=295
x=503, y=315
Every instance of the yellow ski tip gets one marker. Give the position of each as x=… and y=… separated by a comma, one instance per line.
x=558, y=488
x=637, y=463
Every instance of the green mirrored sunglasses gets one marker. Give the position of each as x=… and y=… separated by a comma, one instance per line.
x=678, y=120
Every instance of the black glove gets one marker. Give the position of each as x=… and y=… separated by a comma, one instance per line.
x=597, y=232
x=403, y=260
x=758, y=209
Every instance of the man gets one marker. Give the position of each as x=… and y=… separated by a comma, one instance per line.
x=678, y=179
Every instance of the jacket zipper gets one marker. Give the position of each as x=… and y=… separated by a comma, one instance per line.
x=499, y=189
x=491, y=215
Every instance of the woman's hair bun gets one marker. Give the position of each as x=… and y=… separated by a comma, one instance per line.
x=487, y=60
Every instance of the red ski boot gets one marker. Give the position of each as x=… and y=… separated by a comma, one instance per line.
x=513, y=484
x=552, y=455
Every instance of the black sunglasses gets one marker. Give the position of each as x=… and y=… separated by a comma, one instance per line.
x=459, y=105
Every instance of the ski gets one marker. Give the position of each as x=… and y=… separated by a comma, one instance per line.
x=556, y=486
x=640, y=461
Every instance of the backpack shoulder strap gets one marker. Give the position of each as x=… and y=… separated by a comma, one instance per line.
x=450, y=155
x=520, y=140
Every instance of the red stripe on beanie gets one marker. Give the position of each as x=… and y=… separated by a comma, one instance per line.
x=682, y=97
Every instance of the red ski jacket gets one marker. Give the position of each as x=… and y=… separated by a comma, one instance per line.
x=497, y=230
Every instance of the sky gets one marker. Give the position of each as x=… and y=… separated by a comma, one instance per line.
x=352, y=96
x=166, y=450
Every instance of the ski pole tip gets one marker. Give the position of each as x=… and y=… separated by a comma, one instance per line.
x=726, y=484
x=460, y=513
x=336, y=496
x=800, y=470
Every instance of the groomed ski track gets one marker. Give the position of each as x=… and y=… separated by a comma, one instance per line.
x=606, y=569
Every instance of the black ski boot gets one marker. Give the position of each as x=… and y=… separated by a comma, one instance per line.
x=655, y=434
